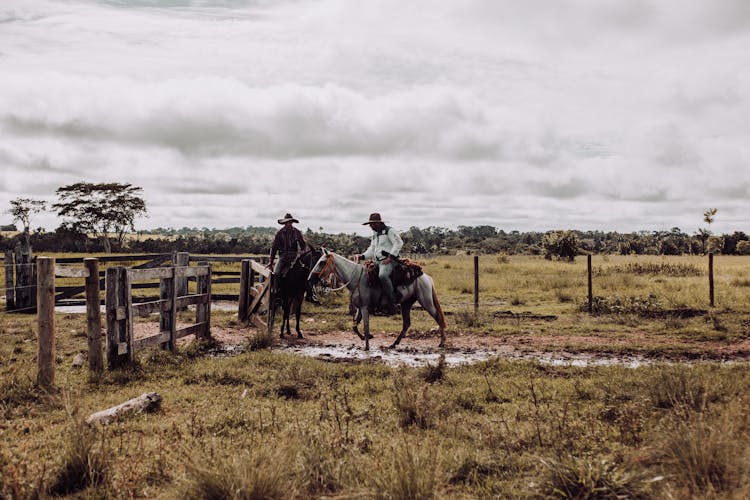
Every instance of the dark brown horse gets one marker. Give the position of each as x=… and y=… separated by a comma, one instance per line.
x=291, y=286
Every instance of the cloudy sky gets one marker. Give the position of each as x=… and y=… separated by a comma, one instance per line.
x=535, y=115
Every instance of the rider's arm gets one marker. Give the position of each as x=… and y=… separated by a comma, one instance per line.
x=396, y=242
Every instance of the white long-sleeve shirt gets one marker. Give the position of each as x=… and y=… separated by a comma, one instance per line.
x=388, y=240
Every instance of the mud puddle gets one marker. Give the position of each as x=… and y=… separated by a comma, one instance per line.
x=419, y=358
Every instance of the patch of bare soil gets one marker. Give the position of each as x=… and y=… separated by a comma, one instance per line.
x=469, y=347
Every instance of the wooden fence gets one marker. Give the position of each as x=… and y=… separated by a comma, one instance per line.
x=121, y=311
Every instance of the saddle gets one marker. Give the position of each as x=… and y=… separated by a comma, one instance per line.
x=404, y=273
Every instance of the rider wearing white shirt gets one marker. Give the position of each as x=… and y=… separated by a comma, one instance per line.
x=384, y=249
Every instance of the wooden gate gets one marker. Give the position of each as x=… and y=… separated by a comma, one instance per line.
x=255, y=295
x=120, y=309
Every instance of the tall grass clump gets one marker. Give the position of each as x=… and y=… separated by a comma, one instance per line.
x=263, y=339
x=676, y=270
x=240, y=477
x=588, y=478
x=680, y=387
x=414, y=404
x=434, y=373
x=709, y=454
x=468, y=318
x=410, y=474
x=85, y=461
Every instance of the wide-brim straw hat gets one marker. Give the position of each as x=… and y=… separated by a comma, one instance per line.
x=374, y=217
x=288, y=218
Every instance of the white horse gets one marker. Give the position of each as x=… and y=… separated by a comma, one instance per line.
x=367, y=298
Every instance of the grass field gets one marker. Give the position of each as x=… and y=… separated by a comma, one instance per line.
x=265, y=424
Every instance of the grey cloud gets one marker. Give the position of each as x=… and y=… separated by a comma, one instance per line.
x=573, y=188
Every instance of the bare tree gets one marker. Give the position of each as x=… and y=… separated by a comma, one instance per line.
x=22, y=210
x=104, y=210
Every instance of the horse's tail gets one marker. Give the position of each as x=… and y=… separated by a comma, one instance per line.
x=439, y=310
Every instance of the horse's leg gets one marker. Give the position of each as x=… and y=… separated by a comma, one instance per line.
x=366, y=321
x=425, y=293
x=406, y=319
x=287, y=310
x=298, y=312
x=357, y=319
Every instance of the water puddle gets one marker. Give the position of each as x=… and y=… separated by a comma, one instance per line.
x=417, y=358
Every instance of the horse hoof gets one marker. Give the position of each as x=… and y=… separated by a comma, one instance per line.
x=392, y=346
x=299, y=336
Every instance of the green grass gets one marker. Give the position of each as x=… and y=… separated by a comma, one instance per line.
x=269, y=424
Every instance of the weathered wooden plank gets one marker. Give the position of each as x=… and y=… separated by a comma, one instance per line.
x=10, y=296
x=152, y=340
x=260, y=268
x=245, y=285
x=226, y=258
x=217, y=281
x=259, y=298
x=71, y=272
x=150, y=274
x=145, y=308
x=185, y=272
x=129, y=319
x=118, y=258
x=258, y=322
x=116, y=314
x=188, y=300
x=197, y=328
x=93, y=315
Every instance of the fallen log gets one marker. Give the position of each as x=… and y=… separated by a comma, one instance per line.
x=145, y=403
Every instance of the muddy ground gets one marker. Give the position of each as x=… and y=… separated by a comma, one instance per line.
x=417, y=348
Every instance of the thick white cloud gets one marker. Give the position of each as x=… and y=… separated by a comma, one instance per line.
x=524, y=115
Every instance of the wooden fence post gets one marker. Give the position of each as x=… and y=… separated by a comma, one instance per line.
x=93, y=315
x=476, y=284
x=25, y=279
x=711, y=278
x=182, y=260
x=117, y=316
x=203, y=311
x=590, y=284
x=10, y=301
x=46, y=318
x=245, y=284
x=168, y=316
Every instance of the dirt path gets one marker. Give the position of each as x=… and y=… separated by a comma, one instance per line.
x=418, y=347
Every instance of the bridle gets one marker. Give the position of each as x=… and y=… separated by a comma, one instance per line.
x=328, y=270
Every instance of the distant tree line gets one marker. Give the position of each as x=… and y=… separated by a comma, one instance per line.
x=101, y=218
x=432, y=240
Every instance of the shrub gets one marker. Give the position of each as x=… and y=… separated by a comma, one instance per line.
x=560, y=245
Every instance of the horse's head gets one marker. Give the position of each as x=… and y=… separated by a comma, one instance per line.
x=322, y=268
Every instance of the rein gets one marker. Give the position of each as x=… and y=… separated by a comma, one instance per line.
x=326, y=273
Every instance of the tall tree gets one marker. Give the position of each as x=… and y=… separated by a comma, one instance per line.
x=22, y=210
x=104, y=210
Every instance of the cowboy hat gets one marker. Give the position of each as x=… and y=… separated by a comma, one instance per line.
x=288, y=218
x=374, y=217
